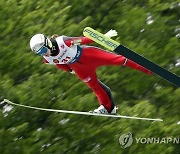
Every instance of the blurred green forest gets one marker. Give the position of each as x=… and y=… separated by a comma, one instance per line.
x=149, y=27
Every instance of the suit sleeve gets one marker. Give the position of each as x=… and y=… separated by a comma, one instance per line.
x=70, y=41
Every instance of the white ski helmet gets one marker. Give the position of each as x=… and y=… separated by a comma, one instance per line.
x=40, y=44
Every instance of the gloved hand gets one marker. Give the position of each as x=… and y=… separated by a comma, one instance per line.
x=111, y=33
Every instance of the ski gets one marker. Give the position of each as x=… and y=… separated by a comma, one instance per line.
x=130, y=54
x=79, y=113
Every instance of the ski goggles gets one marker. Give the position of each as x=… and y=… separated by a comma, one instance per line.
x=42, y=50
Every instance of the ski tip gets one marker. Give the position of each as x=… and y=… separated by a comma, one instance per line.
x=87, y=30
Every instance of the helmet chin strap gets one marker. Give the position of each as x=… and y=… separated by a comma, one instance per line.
x=47, y=43
x=54, y=49
x=51, y=53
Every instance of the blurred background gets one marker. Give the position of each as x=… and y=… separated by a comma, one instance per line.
x=149, y=27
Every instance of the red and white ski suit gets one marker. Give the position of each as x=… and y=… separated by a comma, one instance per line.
x=90, y=59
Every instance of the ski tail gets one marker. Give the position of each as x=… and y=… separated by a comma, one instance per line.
x=160, y=71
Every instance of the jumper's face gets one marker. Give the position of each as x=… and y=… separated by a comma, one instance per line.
x=48, y=53
x=44, y=51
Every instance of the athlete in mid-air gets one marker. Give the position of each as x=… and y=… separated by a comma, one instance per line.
x=70, y=54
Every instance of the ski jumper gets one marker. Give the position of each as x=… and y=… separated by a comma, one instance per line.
x=84, y=60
